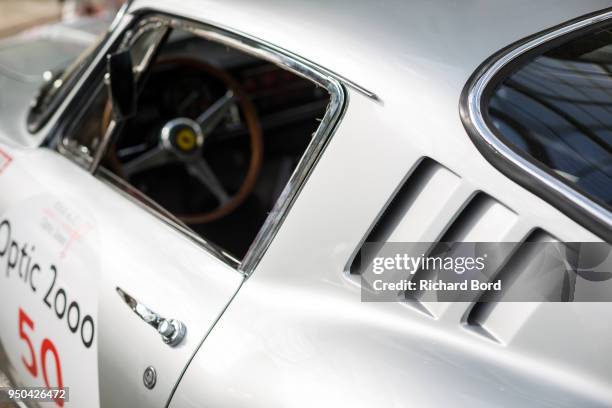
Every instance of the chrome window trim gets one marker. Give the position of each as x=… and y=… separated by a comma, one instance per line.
x=285, y=59
x=475, y=96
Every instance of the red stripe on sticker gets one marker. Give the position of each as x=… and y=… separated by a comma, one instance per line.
x=5, y=160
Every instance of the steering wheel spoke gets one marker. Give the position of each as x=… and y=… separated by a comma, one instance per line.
x=153, y=158
x=201, y=170
x=211, y=117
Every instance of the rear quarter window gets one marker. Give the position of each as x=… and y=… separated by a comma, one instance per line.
x=540, y=111
x=556, y=108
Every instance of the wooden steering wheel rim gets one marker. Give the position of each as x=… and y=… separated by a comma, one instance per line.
x=255, y=140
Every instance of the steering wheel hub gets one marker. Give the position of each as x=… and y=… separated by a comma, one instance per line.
x=182, y=136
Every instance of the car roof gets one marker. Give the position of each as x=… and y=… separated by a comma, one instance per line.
x=379, y=45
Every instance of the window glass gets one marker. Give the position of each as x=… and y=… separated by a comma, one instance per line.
x=215, y=139
x=58, y=84
x=557, y=109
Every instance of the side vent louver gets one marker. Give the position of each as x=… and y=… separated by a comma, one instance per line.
x=499, y=320
x=397, y=207
x=434, y=205
x=482, y=219
x=457, y=231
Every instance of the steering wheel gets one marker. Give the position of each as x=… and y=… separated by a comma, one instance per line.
x=181, y=140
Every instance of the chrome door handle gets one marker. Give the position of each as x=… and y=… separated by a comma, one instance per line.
x=172, y=331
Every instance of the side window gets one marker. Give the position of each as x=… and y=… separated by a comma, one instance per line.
x=91, y=123
x=556, y=108
x=216, y=137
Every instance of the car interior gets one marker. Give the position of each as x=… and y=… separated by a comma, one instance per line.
x=216, y=134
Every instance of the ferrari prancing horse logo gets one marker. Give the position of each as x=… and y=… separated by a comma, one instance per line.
x=186, y=139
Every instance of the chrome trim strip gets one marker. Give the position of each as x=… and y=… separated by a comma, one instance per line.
x=314, y=150
x=286, y=60
x=119, y=16
x=474, y=103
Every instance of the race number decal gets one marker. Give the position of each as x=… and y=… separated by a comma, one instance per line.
x=5, y=160
x=32, y=364
x=48, y=285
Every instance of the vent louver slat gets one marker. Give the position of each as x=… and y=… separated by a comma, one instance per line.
x=416, y=211
x=495, y=315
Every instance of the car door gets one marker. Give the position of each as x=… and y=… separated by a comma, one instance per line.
x=77, y=261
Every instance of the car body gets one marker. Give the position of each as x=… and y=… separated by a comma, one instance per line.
x=284, y=326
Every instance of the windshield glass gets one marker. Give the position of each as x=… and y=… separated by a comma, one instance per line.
x=56, y=85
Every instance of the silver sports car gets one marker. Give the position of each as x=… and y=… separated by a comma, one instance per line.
x=192, y=209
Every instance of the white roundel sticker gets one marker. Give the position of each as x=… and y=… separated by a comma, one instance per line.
x=48, y=279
